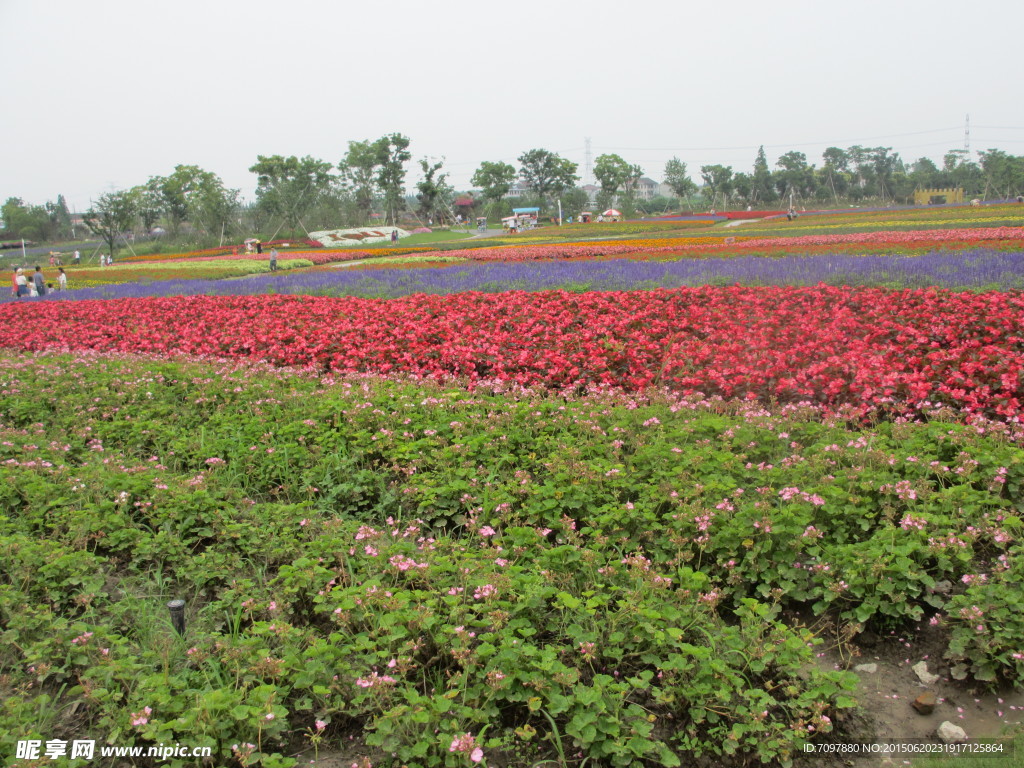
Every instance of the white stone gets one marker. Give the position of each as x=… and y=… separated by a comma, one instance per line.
x=866, y=668
x=951, y=734
x=926, y=677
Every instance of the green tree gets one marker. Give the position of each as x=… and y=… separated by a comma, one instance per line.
x=434, y=193
x=612, y=173
x=836, y=159
x=1004, y=173
x=60, y=219
x=762, y=190
x=177, y=191
x=795, y=176
x=834, y=175
x=290, y=187
x=110, y=216
x=215, y=208
x=717, y=183
x=392, y=155
x=31, y=222
x=574, y=201
x=960, y=171
x=627, y=200
x=885, y=167
x=359, y=173
x=678, y=180
x=743, y=186
x=149, y=202
x=494, y=179
x=545, y=173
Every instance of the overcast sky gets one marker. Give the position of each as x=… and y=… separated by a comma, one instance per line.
x=102, y=95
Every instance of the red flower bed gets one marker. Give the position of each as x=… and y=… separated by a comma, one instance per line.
x=872, y=348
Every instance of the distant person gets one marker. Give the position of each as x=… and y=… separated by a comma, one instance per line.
x=273, y=259
x=62, y=280
x=78, y=257
x=259, y=247
x=394, y=236
x=14, y=281
x=22, y=281
x=39, y=281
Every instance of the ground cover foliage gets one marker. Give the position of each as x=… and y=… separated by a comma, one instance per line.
x=436, y=577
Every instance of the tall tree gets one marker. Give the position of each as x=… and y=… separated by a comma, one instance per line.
x=836, y=160
x=178, y=190
x=546, y=173
x=110, y=216
x=215, y=208
x=434, y=193
x=31, y=222
x=795, y=177
x=678, y=180
x=627, y=200
x=761, y=180
x=612, y=173
x=149, y=202
x=289, y=187
x=494, y=179
x=60, y=218
x=1004, y=173
x=359, y=173
x=392, y=154
x=960, y=171
x=717, y=181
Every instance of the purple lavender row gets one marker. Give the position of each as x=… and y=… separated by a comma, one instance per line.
x=978, y=268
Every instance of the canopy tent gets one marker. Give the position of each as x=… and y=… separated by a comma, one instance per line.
x=526, y=212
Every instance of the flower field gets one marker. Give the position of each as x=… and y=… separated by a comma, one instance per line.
x=398, y=565
x=596, y=503
x=871, y=349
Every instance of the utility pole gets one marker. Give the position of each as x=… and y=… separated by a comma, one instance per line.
x=967, y=136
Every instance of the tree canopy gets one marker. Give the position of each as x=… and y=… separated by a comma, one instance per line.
x=290, y=187
x=110, y=216
x=495, y=179
x=546, y=173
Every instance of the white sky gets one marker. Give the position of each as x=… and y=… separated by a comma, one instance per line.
x=102, y=95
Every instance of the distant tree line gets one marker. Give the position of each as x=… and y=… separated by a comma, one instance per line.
x=367, y=185
x=860, y=174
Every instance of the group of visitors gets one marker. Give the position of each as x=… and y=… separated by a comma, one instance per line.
x=36, y=285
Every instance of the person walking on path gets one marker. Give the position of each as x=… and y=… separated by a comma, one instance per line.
x=62, y=280
x=14, y=282
x=39, y=281
x=273, y=259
